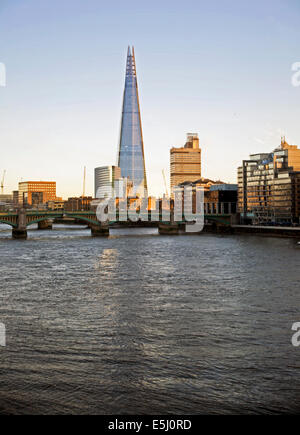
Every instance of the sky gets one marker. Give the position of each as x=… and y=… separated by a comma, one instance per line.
x=221, y=69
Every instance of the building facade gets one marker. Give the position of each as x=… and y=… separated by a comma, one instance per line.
x=6, y=198
x=34, y=193
x=106, y=179
x=131, y=158
x=186, y=162
x=15, y=197
x=269, y=188
x=82, y=203
x=57, y=205
x=219, y=197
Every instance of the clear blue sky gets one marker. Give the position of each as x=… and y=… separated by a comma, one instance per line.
x=220, y=68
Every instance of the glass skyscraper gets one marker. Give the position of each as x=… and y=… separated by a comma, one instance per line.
x=131, y=148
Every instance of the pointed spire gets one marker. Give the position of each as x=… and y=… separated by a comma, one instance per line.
x=131, y=147
x=130, y=69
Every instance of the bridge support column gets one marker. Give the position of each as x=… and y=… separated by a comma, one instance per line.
x=19, y=234
x=100, y=230
x=21, y=231
x=45, y=225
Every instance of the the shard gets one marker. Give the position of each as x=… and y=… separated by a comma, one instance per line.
x=131, y=147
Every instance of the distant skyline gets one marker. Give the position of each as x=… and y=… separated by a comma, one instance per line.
x=219, y=69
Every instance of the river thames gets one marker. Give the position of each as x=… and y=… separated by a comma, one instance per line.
x=144, y=324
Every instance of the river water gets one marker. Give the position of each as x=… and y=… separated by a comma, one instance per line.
x=145, y=324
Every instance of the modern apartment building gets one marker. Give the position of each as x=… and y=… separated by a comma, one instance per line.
x=269, y=187
x=186, y=162
x=33, y=193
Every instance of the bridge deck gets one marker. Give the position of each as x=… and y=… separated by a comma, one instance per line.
x=90, y=217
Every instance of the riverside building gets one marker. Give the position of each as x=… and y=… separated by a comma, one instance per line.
x=269, y=187
x=219, y=197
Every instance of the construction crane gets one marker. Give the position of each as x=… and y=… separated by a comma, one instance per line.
x=165, y=180
x=84, y=181
x=2, y=182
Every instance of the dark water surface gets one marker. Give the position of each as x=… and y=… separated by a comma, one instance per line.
x=143, y=324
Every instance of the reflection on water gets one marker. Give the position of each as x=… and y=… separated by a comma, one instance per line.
x=140, y=323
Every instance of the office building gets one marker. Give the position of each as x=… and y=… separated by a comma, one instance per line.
x=131, y=157
x=269, y=187
x=106, y=179
x=219, y=197
x=34, y=193
x=186, y=162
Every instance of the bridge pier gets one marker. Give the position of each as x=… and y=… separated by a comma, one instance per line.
x=19, y=234
x=100, y=230
x=168, y=229
x=45, y=225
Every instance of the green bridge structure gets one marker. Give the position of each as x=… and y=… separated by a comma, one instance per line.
x=22, y=219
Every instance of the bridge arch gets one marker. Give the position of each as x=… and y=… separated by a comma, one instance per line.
x=12, y=224
x=36, y=221
x=85, y=219
x=32, y=219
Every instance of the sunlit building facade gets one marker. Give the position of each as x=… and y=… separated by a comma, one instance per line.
x=34, y=193
x=131, y=157
x=81, y=203
x=186, y=162
x=269, y=187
